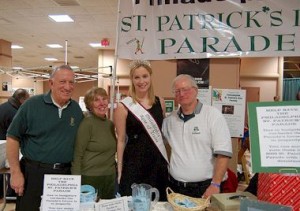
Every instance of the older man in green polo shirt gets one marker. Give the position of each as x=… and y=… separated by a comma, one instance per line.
x=44, y=128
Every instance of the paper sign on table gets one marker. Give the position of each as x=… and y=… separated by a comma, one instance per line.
x=61, y=192
x=118, y=204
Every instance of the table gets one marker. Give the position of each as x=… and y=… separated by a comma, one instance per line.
x=160, y=206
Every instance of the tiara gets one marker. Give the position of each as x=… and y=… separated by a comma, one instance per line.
x=137, y=63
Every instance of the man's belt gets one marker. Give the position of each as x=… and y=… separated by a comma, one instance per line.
x=56, y=166
x=189, y=184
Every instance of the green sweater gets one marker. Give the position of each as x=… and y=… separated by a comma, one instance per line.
x=95, y=147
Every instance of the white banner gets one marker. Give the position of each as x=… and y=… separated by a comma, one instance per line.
x=185, y=29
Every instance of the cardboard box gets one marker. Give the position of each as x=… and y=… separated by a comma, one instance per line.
x=281, y=189
x=229, y=201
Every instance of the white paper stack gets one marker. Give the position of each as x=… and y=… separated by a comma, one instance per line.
x=2, y=153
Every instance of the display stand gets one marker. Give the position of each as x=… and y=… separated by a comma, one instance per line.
x=245, y=169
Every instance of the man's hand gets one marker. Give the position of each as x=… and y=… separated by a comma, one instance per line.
x=17, y=183
x=210, y=191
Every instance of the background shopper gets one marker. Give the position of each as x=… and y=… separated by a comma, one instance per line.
x=7, y=112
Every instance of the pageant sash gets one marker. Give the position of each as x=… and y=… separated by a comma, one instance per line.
x=149, y=124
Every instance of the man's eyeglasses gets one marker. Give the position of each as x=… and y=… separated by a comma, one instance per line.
x=182, y=90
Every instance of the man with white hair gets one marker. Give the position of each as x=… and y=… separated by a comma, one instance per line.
x=44, y=128
x=200, y=143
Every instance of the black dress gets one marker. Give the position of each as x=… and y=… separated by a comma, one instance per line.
x=142, y=161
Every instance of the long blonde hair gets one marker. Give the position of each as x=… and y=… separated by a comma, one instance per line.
x=132, y=92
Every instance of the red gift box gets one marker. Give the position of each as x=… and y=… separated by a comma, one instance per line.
x=279, y=189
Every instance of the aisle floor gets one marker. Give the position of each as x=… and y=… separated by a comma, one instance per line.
x=10, y=205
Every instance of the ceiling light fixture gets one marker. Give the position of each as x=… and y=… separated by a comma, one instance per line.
x=51, y=59
x=54, y=45
x=95, y=45
x=74, y=67
x=61, y=18
x=16, y=47
x=104, y=43
x=17, y=68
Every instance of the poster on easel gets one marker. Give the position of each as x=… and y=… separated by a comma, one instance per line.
x=275, y=136
x=231, y=102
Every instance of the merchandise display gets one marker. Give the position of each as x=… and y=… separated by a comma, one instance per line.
x=87, y=194
x=279, y=189
x=141, y=197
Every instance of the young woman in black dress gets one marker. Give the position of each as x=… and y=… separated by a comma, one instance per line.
x=139, y=159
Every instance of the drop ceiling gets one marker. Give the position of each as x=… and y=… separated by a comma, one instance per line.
x=26, y=23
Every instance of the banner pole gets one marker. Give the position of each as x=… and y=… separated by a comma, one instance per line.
x=112, y=88
x=66, y=52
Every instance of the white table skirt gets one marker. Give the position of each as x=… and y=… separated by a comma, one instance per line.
x=160, y=206
x=163, y=206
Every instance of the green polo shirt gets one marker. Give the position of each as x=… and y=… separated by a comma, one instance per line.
x=44, y=135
